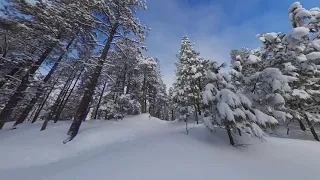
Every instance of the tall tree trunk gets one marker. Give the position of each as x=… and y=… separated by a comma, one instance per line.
x=172, y=115
x=144, y=104
x=313, y=131
x=230, y=135
x=196, y=114
x=302, y=127
x=19, y=93
x=100, y=98
x=89, y=88
x=42, y=105
x=30, y=106
x=65, y=100
x=11, y=73
x=57, y=103
x=199, y=109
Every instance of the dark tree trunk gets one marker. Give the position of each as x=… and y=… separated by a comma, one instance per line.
x=30, y=106
x=11, y=73
x=65, y=100
x=100, y=98
x=19, y=93
x=172, y=116
x=196, y=114
x=41, y=106
x=302, y=127
x=199, y=109
x=89, y=89
x=313, y=131
x=57, y=102
x=230, y=135
x=144, y=110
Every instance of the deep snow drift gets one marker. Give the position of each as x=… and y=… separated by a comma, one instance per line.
x=140, y=147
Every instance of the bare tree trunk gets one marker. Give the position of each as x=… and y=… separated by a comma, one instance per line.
x=57, y=102
x=11, y=73
x=302, y=127
x=230, y=135
x=100, y=98
x=172, y=116
x=65, y=100
x=19, y=93
x=144, y=110
x=42, y=105
x=29, y=107
x=89, y=89
x=313, y=131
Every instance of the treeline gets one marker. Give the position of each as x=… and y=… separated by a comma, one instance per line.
x=65, y=59
x=274, y=84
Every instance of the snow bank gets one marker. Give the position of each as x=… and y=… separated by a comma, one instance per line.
x=166, y=153
x=27, y=146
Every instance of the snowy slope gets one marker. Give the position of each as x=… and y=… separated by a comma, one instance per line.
x=139, y=148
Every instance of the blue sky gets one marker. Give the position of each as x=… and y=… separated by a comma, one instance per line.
x=215, y=26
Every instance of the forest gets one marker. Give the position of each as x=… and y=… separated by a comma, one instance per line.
x=78, y=91
x=64, y=60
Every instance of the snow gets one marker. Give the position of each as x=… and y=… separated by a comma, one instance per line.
x=257, y=130
x=278, y=99
x=281, y=115
x=303, y=14
x=230, y=98
x=313, y=56
x=263, y=118
x=244, y=100
x=301, y=58
x=211, y=75
x=140, y=148
x=271, y=36
x=300, y=32
x=225, y=112
x=302, y=94
x=239, y=113
x=294, y=6
x=252, y=59
x=315, y=44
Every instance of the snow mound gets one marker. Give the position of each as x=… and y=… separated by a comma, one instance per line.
x=158, y=151
x=27, y=146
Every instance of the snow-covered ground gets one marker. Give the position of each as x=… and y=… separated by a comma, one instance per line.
x=140, y=147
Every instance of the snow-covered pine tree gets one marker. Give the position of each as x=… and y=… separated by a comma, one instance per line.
x=189, y=80
x=50, y=28
x=119, y=20
x=232, y=109
x=296, y=55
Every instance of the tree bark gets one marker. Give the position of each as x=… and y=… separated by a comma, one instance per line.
x=56, y=103
x=41, y=106
x=30, y=106
x=230, y=135
x=65, y=100
x=100, y=98
x=89, y=88
x=19, y=93
x=144, y=109
x=302, y=127
x=313, y=131
x=11, y=73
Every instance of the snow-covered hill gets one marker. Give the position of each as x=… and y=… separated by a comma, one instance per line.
x=140, y=147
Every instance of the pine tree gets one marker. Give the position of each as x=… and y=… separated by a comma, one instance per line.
x=232, y=109
x=189, y=79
